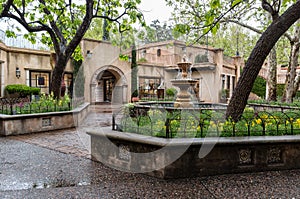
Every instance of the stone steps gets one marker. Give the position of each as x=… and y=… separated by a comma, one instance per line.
x=104, y=108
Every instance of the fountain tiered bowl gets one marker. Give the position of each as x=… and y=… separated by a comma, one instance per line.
x=183, y=98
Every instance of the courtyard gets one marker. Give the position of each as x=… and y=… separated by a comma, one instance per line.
x=99, y=101
x=57, y=164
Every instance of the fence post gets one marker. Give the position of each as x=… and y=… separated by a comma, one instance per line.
x=167, y=128
x=113, y=122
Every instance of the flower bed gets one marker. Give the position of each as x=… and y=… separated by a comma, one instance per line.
x=207, y=122
x=40, y=122
x=42, y=104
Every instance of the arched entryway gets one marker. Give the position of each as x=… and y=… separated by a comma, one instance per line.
x=107, y=81
x=108, y=85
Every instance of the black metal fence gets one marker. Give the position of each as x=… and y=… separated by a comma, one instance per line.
x=207, y=121
x=14, y=106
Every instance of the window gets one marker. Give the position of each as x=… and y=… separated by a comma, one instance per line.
x=228, y=82
x=40, y=80
x=158, y=52
x=148, y=86
x=68, y=83
x=144, y=53
x=233, y=82
x=223, y=81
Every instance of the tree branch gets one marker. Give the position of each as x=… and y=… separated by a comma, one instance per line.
x=243, y=25
x=81, y=30
x=56, y=31
x=212, y=25
x=6, y=8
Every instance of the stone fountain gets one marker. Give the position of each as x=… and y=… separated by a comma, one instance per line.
x=183, y=98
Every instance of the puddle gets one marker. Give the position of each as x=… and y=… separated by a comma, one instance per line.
x=42, y=185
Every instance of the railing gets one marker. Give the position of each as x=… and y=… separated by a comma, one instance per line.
x=21, y=42
x=206, y=122
x=15, y=106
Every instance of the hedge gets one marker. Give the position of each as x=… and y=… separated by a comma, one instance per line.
x=22, y=90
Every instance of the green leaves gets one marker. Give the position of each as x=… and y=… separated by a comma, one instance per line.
x=235, y=2
x=182, y=28
x=31, y=37
x=10, y=33
x=77, y=56
x=214, y=4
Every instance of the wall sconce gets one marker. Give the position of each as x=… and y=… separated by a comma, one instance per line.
x=89, y=53
x=18, y=73
x=223, y=78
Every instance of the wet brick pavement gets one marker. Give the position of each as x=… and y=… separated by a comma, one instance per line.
x=57, y=165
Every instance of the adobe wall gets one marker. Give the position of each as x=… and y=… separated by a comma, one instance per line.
x=25, y=60
x=104, y=56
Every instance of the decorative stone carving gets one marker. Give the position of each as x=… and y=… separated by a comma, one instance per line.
x=124, y=152
x=46, y=122
x=274, y=155
x=245, y=156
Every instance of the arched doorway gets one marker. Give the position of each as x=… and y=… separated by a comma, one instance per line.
x=107, y=80
x=108, y=86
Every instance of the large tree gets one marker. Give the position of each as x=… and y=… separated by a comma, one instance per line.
x=206, y=16
x=256, y=59
x=63, y=23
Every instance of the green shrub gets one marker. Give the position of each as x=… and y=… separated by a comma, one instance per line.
x=142, y=59
x=22, y=90
x=259, y=87
x=171, y=92
x=280, y=88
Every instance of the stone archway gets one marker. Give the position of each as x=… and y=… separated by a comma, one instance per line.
x=108, y=84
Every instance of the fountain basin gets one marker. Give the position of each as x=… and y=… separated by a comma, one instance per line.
x=228, y=155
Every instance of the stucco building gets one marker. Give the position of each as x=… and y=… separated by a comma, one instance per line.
x=30, y=67
x=108, y=78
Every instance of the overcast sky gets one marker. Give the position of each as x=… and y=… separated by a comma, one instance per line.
x=152, y=10
x=155, y=9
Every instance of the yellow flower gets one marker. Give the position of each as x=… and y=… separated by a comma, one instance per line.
x=287, y=122
x=264, y=116
x=297, y=122
x=258, y=121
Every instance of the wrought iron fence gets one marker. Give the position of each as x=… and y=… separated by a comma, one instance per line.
x=207, y=122
x=15, y=106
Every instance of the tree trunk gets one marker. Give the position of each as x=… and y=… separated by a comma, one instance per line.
x=256, y=59
x=292, y=73
x=57, y=75
x=134, y=87
x=272, y=76
x=297, y=79
x=291, y=80
x=296, y=85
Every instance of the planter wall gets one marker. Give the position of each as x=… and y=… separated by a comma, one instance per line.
x=33, y=123
x=228, y=155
